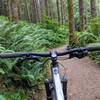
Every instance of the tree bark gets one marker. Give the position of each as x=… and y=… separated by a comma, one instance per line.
x=9, y=9
x=42, y=8
x=81, y=13
x=46, y=8
x=27, y=4
x=34, y=10
x=50, y=8
x=58, y=10
x=72, y=37
x=62, y=11
x=38, y=10
x=1, y=5
x=93, y=8
x=13, y=10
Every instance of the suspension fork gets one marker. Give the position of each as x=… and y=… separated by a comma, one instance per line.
x=51, y=83
x=49, y=86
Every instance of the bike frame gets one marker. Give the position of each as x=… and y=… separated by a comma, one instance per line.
x=55, y=88
x=56, y=78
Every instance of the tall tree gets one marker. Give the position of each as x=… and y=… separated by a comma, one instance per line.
x=34, y=10
x=50, y=9
x=42, y=8
x=58, y=10
x=93, y=8
x=38, y=10
x=72, y=37
x=62, y=10
x=46, y=7
x=27, y=4
x=3, y=7
x=1, y=4
x=13, y=10
x=81, y=12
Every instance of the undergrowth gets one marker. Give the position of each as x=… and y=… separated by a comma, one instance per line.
x=91, y=37
x=23, y=36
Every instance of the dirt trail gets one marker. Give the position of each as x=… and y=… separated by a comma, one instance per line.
x=83, y=79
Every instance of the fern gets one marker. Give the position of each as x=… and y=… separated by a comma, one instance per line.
x=23, y=36
x=86, y=38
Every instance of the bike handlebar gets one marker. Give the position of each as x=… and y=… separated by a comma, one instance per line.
x=48, y=54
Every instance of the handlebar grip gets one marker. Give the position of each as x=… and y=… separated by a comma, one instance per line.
x=22, y=54
x=93, y=48
x=11, y=55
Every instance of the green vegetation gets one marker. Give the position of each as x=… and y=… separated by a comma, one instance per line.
x=13, y=95
x=20, y=82
x=23, y=36
x=95, y=29
x=91, y=36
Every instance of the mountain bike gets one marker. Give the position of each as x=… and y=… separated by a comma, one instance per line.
x=56, y=87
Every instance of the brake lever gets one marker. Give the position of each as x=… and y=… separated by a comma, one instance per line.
x=79, y=54
x=31, y=57
x=21, y=60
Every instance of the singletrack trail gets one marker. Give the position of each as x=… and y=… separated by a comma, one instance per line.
x=83, y=78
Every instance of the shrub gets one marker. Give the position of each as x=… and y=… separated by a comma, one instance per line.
x=50, y=24
x=13, y=95
x=94, y=26
x=85, y=38
x=95, y=55
x=23, y=36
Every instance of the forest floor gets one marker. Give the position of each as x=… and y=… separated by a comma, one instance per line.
x=83, y=78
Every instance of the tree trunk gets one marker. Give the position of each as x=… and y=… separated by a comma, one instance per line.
x=34, y=10
x=62, y=12
x=3, y=7
x=46, y=8
x=1, y=4
x=81, y=13
x=72, y=37
x=13, y=10
x=50, y=8
x=42, y=8
x=9, y=9
x=27, y=4
x=58, y=11
x=38, y=10
x=93, y=8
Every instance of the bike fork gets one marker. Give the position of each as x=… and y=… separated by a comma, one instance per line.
x=49, y=86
